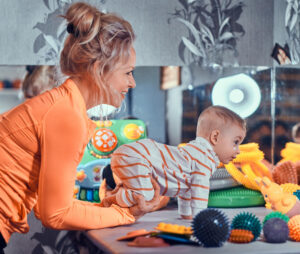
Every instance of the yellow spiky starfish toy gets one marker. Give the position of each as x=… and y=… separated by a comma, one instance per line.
x=250, y=162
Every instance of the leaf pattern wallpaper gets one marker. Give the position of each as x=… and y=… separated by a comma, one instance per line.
x=213, y=30
x=49, y=42
x=292, y=26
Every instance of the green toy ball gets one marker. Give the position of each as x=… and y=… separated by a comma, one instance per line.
x=276, y=214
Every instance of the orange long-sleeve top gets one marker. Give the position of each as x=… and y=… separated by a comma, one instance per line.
x=41, y=143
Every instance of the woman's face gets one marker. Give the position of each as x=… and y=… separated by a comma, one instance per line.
x=121, y=79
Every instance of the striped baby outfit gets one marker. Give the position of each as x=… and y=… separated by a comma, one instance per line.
x=182, y=172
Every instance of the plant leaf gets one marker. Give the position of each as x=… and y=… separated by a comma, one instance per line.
x=191, y=46
x=184, y=3
x=237, y=28
x=204, y=29
x=288, y=11
x=192, y=28
x=61, y=29
x=62, y=235
x=224, y=23
x=39, y=43
x=46, y=2
x=52, y=5
x=293, y=21
x=234, y=12
x=181, y=50
x=52, y=42
x=48, y=249
x=295, y=6
x=226, y=36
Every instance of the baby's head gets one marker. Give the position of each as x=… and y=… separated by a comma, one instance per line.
x=38, y=79
x=224, y=129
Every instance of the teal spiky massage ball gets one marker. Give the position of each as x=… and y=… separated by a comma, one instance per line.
x=248, y=221
x=276, y=214
x=297, y=194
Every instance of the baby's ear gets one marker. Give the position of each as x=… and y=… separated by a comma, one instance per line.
x=214, y=137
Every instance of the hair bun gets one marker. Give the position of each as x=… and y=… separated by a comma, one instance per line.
x=84, y=21
x=30, y=68
x=72, y=30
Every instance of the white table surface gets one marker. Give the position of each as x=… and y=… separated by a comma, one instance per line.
x=105, y=239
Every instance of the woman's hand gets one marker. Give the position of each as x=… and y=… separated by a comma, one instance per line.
x=142, y=207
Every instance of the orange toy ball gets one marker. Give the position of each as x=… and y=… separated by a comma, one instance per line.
x=240, y=236
x=17, y=83
x=294, y=227
x=133, y=131
x=104, y=140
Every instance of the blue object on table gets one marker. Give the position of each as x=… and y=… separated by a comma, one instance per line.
x=175, y=239
x=297, y=194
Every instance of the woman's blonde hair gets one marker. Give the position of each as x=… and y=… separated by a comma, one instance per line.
x=38, y=79
x=96, y=44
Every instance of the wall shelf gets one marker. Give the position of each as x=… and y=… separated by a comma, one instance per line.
x=9, y=91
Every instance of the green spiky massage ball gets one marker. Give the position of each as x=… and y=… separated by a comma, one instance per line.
x=248, y=221
x=276, y=214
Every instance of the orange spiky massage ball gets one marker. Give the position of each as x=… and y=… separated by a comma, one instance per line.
x=294, y=227
x=240, y=236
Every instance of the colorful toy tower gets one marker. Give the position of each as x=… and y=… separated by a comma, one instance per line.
x=108, y=136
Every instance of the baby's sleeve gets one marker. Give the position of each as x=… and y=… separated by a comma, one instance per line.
x=184, y=204
x=201, y=170
x=200, y=185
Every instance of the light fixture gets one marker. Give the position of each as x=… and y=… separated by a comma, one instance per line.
x=101, y=110
x=239, y=93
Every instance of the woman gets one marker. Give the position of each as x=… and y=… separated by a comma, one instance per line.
x=43, y=139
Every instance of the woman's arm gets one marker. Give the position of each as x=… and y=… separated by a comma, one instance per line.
x=63, y=139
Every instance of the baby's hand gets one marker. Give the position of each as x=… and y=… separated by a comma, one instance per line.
x=187, y=217
x=108, y=201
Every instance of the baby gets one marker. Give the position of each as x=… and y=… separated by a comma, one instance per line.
x=182, y=172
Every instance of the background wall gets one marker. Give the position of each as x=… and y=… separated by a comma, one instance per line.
x=157, y=40
x=280, y=34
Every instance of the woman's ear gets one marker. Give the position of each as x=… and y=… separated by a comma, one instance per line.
x=214, y=137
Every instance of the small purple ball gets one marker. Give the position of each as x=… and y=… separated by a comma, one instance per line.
x=276, y=230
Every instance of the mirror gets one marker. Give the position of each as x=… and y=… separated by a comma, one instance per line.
x=245, y=90
x=287, y=110
x=170, y=111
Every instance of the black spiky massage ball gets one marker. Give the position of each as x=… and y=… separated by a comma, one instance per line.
x=211, y=227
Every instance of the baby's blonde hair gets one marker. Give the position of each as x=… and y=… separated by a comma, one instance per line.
x=38, y=79
x=97, y=43
x=217, y=117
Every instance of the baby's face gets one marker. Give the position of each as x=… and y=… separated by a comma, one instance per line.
x=227, y=147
